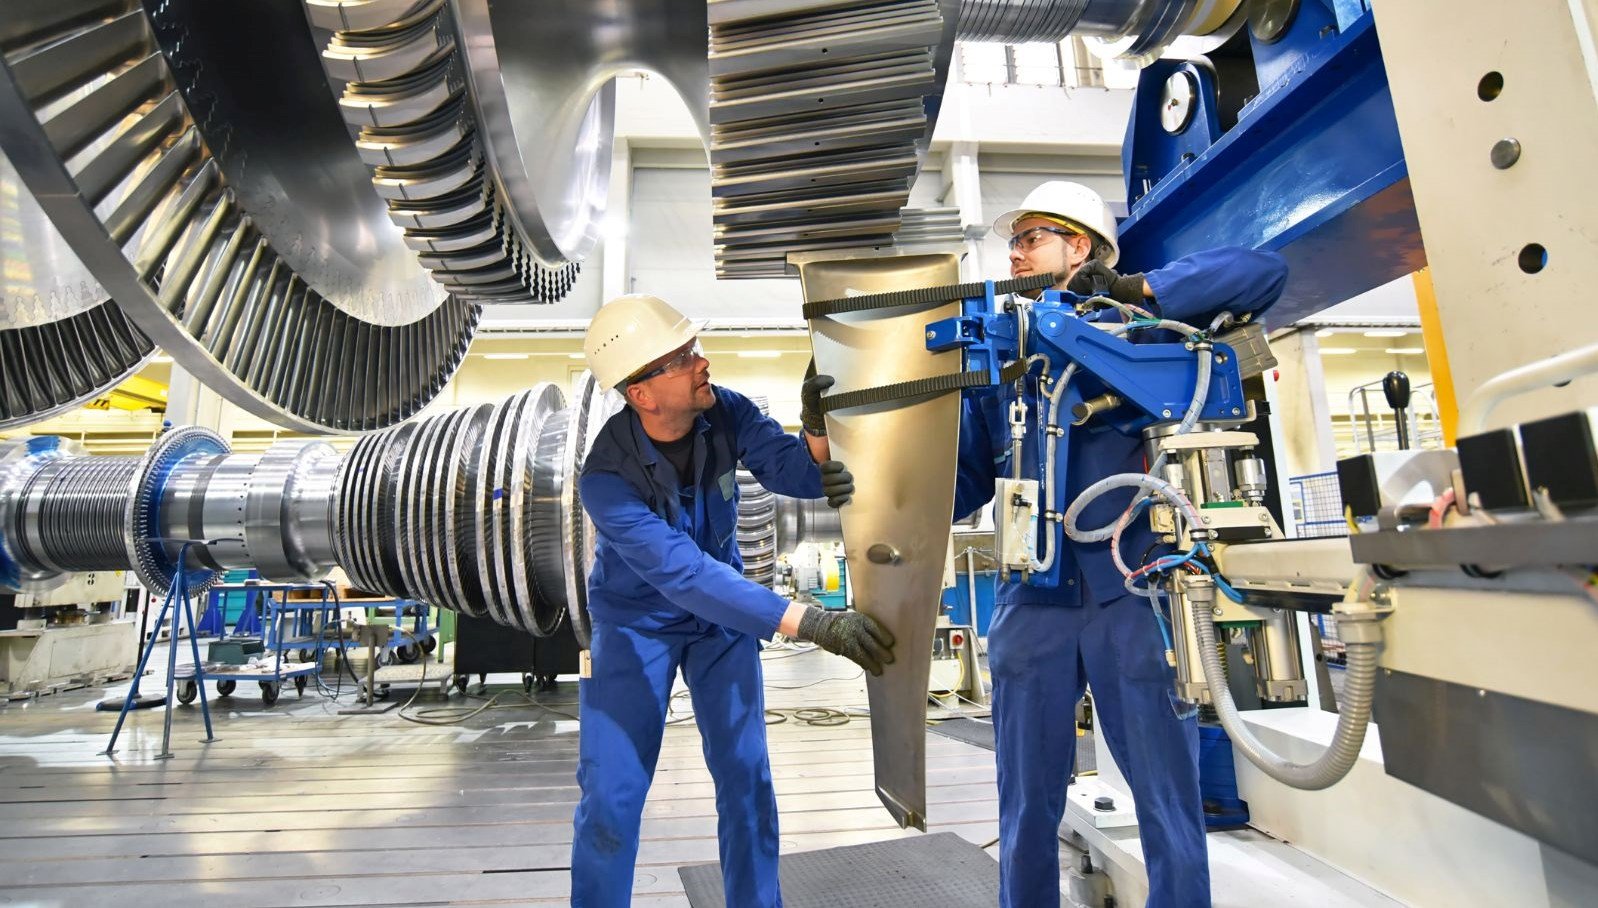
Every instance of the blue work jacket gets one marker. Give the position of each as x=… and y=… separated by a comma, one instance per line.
x=1192, y=289
x=666, y=553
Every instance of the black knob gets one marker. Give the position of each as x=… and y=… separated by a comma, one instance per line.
x=1396, y=386
x=1104, y=802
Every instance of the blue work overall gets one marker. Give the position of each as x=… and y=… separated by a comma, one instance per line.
x=1046, y=645
x=667, y=592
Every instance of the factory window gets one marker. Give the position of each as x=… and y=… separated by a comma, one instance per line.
x=1035, y=64
x=984, y=63
x=1045, y=64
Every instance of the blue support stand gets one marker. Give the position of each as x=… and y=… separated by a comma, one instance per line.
x=180, y=605
x=249, y=623
x=212, y=622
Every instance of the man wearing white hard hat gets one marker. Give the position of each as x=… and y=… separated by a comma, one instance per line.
x=667, y=592
x=1046, y=645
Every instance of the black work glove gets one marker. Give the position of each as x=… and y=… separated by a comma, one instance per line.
x=856, y=636
x=837, y=483
x=810, y=401
x=1094, y=278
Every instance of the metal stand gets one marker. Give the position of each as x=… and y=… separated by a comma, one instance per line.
x=177, y=592
x=370, y=635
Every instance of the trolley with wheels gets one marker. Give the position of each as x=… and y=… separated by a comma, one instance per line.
x=288, y=627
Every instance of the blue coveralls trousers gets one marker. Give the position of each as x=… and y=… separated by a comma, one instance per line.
x=623, y=711
x=1041, y=657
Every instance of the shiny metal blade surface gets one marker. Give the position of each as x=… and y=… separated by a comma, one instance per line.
x=902, y=454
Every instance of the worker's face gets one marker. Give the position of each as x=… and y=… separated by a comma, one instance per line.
x=681, y=385
x=1037, y=247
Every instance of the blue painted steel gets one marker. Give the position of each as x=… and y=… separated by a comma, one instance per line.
x=1158, y=152
x=954, y=333
x=1313, y=169
x=1223, y=806
x=179, y=604
x=1348, y=11
x=1155, y=380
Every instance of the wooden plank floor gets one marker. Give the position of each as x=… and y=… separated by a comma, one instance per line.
x=297, y=805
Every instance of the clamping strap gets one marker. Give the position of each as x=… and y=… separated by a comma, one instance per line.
x=924, y=296
x=920, y=387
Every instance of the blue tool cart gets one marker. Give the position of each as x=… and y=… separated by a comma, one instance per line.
x=284, y=625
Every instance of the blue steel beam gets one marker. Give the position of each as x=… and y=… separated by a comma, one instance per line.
x=1313, y=170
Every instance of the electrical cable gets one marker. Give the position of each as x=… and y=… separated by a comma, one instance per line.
x=777, y=716
x=343, y=655
x=459, y=714
x=1189, y=418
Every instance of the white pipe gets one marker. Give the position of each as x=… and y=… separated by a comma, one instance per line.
x=1530, y=377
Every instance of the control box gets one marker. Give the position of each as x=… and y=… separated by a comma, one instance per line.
x=1015, y=523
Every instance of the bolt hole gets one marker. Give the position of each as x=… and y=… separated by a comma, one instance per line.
x=821, y=100
x=1490, y=86
x=1533, y=258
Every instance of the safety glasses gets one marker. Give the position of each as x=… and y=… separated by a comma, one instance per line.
x=683, y=359
x=1028, y=239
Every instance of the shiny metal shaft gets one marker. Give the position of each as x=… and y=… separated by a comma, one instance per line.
x=72, y=512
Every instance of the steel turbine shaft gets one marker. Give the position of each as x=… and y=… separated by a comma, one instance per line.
x=473, y=510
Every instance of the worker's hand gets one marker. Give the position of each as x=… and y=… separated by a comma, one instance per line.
x=810, y=401
x=855, y=636
x=1094, y=278
x=837, y=483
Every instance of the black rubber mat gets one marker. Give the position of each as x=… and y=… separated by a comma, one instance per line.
x=917, y=872
x=979, y=732
x=971, y=731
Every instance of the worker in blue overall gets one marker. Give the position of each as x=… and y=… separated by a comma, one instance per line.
x=667, y=591
x=1046, y=645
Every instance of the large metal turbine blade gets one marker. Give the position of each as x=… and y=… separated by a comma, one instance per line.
x=820, y=114
x=62, y=341
x=403, y=74
x=99, y=129
x=896, y=529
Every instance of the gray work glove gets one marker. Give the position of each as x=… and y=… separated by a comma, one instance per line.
x=856, y=636
x=810, y=415
x=837, y=483
x=1094, y=278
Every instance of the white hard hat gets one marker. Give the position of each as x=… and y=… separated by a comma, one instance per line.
x=630, y=332
x=1070, y=202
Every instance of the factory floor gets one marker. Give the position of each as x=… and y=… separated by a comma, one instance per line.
x=299, y=805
